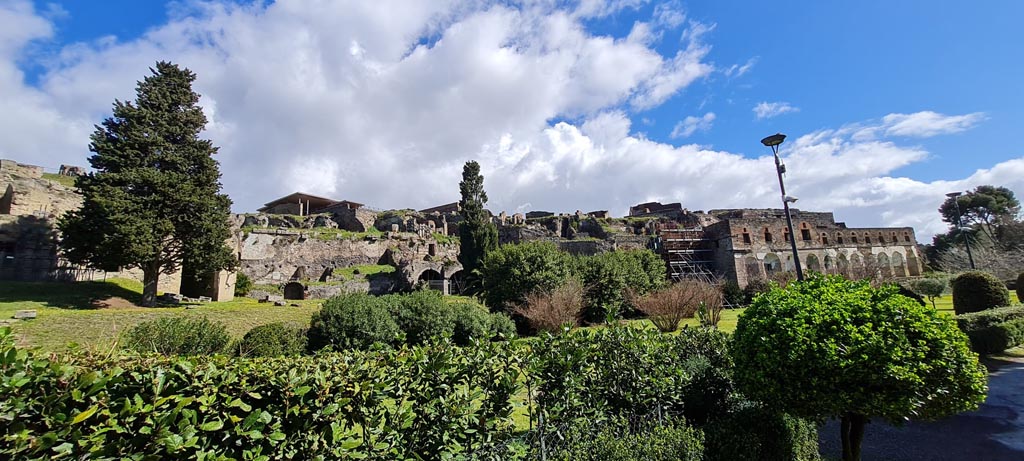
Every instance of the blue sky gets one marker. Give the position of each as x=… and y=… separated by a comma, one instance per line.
x=576, y=105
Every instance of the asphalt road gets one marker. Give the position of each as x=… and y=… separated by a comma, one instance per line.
x=995, y=432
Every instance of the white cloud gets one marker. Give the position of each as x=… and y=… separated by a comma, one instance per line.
x=691, y=125
x=669, y=14
x=926, y=124
x=737, y=70
x=765, y=110
x=382, y=103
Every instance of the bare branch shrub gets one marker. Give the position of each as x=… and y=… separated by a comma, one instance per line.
x=669, y=306
x=552, y=311
x=1005, y=263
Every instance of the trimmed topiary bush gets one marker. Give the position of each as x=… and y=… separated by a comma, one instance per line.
x=976, y=291
x=752, y=432
x=179, y=335
x=994, y=330
x=1019, y=288
x=353, y=321
x=828, y=347
x=272, y=340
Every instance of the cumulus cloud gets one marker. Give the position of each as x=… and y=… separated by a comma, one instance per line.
x=691, y=125
x=927, y=123
x=765, y=110
x=383, y=102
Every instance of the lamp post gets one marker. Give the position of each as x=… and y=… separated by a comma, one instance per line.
x=959, y=226
x=773, y=142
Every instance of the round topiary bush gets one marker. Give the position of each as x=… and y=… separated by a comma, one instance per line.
x=353, y=321
x=272, y=340
x=977, y=291
x=1020, y=287
x=180, y=335
x=242, y=284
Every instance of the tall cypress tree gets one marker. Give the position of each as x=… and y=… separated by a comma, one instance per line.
x=477, y=234
x=154, y=200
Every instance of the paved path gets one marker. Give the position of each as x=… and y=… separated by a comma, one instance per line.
x=995, y=432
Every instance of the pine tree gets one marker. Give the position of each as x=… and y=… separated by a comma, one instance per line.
x=477, y=234
x=154, y=200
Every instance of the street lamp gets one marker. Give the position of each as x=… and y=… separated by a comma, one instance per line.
x=774, y=141
x=960, y=227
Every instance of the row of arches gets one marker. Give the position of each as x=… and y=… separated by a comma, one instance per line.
x=856, y=264
x=846, y=237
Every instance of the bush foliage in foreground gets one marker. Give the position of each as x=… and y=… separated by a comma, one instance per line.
x=410, y=403
x=271, y=340
x=830, y=347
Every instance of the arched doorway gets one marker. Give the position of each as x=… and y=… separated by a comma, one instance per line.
x=899, y=268
x=294, y=290
x=913, y=264
x=813, y=265
x=830, y=265
x=431, y=279
x=843, y=265
x=457, y=282
x=772, y=264
x=883, y=265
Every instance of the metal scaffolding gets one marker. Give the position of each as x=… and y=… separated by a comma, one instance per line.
x=688, y=253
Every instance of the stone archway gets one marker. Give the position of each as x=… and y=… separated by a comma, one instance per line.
x=772, y=264
x=754, y=269
x=843, y=265
x=883, y=265
x=899, y=267
x=913, y=264
x=431, y=279
x=457, y=282
x=294, y=290
x=813, y=264
x=830, y=265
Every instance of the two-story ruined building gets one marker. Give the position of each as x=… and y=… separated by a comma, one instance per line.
x=746, y=244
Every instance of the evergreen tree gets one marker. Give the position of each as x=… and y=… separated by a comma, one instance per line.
x=477, y=234
x=153, y=202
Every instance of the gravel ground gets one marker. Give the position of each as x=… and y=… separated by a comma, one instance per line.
x=995, y=432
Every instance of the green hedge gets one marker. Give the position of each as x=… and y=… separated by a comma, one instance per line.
x=616, y=441
x=271, y=340
x=751, y=432
x=178, y=335
x=410, y=403
x=994, y=330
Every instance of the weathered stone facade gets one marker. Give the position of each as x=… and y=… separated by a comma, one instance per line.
x=745, y=244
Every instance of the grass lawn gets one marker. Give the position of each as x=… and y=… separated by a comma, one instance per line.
x=68, y=313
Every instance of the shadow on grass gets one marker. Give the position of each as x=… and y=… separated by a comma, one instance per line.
x=72, y=295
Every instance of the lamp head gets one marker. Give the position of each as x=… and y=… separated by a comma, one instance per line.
x=789, y=199
x=773, y=140
x=954, y=194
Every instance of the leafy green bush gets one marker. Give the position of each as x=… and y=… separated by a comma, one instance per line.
x=614, y=441
x=513, y=271
x=242, y=284
x=409, y=403
x=423, y=315
x=732, y=294
x=994, y=330
x=353, y=321
x=752, y=432
x=632, y=372
x=608, y=276
x=501, y=326
x=976, y=291
x=755, y=287
x=830, y=347
x=272, y=340
x=178, y=335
